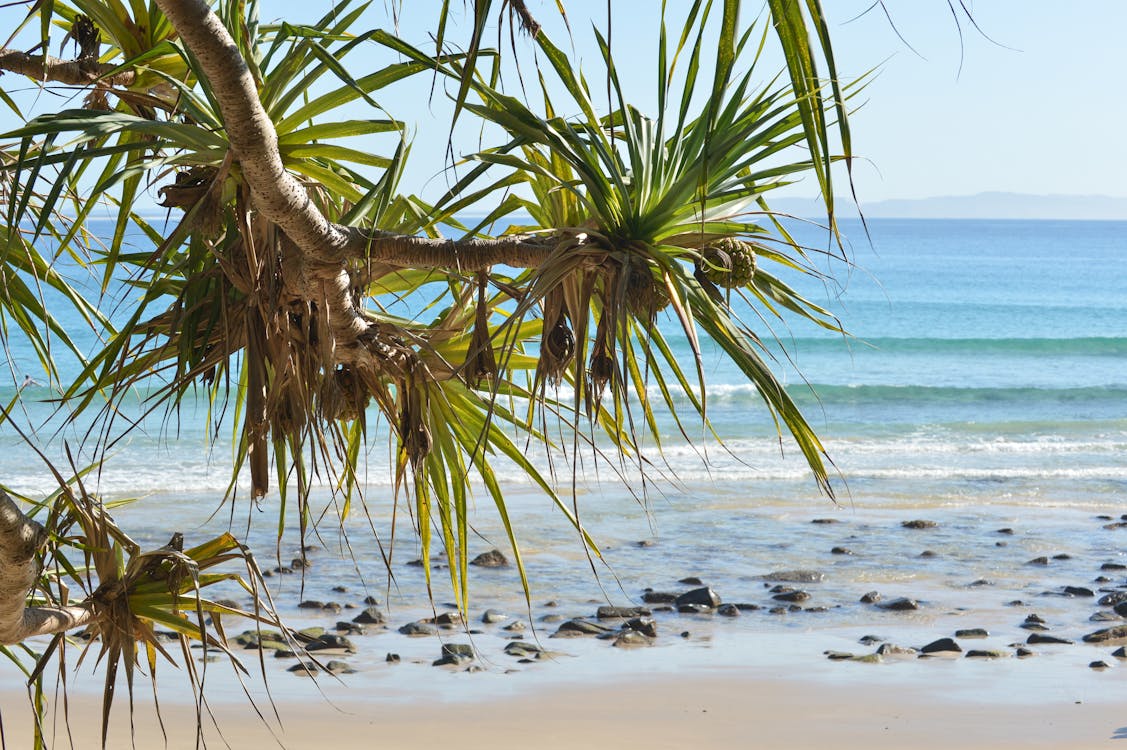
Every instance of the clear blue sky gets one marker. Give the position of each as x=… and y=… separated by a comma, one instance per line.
x=1044, y=113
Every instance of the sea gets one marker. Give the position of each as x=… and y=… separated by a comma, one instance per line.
x=981, y=387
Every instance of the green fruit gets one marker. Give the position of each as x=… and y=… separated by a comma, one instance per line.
x=728, y=262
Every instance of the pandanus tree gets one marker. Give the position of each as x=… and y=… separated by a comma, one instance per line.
x=271, y=291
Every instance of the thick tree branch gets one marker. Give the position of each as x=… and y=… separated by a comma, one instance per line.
x=71, y=72
x=281, y=198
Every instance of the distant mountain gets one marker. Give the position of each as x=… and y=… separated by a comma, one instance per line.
x=992, y=205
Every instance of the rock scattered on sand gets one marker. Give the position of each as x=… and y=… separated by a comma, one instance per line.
x=971, y=633
x=694, y=609
x=794, y=576
x=647, y=626
x=871, y=597
x=393, y=658
x=1037, y=638
x=658, y=597
x=418, y=629
x=728, y=610
x=332, y=642
x=889, y=649
x=1113, y=566
x=986, y=654
x=943, y=645
x=611, y=613
x=1039, y=561
x=580, y=627
x=491, y=616
x=516, y=626
x=841, y=551
x=370, y=616
x=304, y=669
x=631, y=639
x=791, y=596
x=900, y=604
x=1007, y=531
x=1120, y=653
x=1112, y=599
x=1078, y=591
x=1113, y=635
x=824, y=521
x=691, y=581
x=522, y=649
x=919, y=524
x=491, y=559
x=704, y=596
x=1098, y=665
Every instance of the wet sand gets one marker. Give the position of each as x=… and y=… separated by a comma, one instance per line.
x=718, y=708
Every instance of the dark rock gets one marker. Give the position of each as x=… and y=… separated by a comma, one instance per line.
x=645, y=625
x=1101, y=579
x=611, y=613
x=311, y=604
x=871, y=597
x=900, y=604
x=645, y=543
x=1039, y=561
x=1116, y=525
x=299, y=563
x=284, y=653
x=1001, y=544
x=794, y=576
x=971, y=633
x=791, y=596
x=579, y=627
x=371, y=601
x=1113, y=635
x=940, y=646
x=1008, y=531
x=985, y=654
x=927, y=553
x=919, y=524
x=304, y=669
x=1112, y=599
x=418, y=629
x=1103, y=517
x=1113, y=566
x=704, y=596
x=778, y=611
x=1078, y=591
x=659, y=597
x=446, y=619
x=691, y=581
x=1023, y=653
x=694, y=609
x=839, y=655
x=1032, y=626
x=631, y=639
x=516, y=626
x=1121, y=609
x=332, y=607
x=331, y=641
x=339, y=667
x=979, y=583
x=463, y=650
x=1120, y=653
x=1035, y=618
x=392, y=658
x=728, y=610
x=1099, y=665
x=552, y=618
x=370, y=616
x=841, y=551
x=1037, y=638
x=888, y=649
x=1105, y=617
x=451, y=661
x=491, y=559
x=522, y=650
x=743, y=606
x=1062, y=556
x=340, y=589
x=868, y=640
x=492, y=616
x=551, y=603
x=825, y=521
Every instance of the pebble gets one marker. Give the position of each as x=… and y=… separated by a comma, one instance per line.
x=418, y=629
x=900, y=604
x=841, y=551
x=631, y=639
x=919, y=524
x=370, y=616
x=943, y=645
x=704, y=596
x=1036, y=638
x=791, y=596
x=871, y=597
x=491, y=616
x=1098, y=665
x=971, y=633
x=494, y=558
x=728, y=610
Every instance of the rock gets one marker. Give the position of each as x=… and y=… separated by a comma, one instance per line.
x=919, y=524
x=339, y=667
x=943, y=645
x=1116, y=525
x=1113, y=566
x=868, y=640
x=580, y=627
x=900, y=604
x=369, y=616
x=552, y=618
x=310, y=634
x=694, y=609
x=1062, y=556
x=371, y=601
x=1098, y=665
x=311, y=604
x=1120, y=653
x=284, y=653
x=704, y=596
x=332, y=607
x=928, y=554
x=492, y=616
x=979, y=583
x=516, y=626
x=644, y=543
x=1121, y=609
x=1035, y=618
x=971, y=633
x=791, y=596
x=418, y=629
x=1023, y=653
x=1112, y=599
x=351, y=628
x=888, y=649
x=451, y=661
x=1105, y=616
x=794, y=576
x=647, y=626
x=1008, y=531
x=392, y=658
x=839, y=655
x=728, y=610
x=1078, y=591
x=841, y=551
x=445, y=619
x=332, y=642
x=1101, y=579
x=463, y=650
x=491, y=559
x=299, y=563
x=1032, y=626
x=304, y=669
x=340, y=589
x=1113, y=635
x=611, y=613
x=985, y=654
x=1039, y=561
x=691, y=581
x=523, y=650
x=871, y=597
x=824, y=521
x=631, y=639
x=1036, y=638
x=658, y=597
x=742, y=607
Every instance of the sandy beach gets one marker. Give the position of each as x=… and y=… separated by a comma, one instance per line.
x=671, y=711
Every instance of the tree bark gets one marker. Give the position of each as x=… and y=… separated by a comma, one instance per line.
x=71, y=72
x=21, y=538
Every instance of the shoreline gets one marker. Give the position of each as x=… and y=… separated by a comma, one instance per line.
x=740, y=708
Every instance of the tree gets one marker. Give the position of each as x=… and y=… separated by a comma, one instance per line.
x=267, y=292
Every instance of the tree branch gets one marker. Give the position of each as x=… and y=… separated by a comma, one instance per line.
x=71, y=72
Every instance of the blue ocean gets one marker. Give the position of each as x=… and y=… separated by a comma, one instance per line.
x=982, y=386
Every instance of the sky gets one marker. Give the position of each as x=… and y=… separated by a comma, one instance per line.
x=1032, y=102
